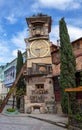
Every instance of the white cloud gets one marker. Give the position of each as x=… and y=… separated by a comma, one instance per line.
x=13, y=9
x=11, y=18
x=3, y=47
x=18, y=39
x=2, y=31
x=74, y=32
x=54, y=35
x=5, y=53
x=14, y=53
x=74, y=21
x=1, y=28
x=9, y=48
x=61, y=4
x=35, y=7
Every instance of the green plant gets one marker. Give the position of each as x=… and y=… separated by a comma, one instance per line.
x=67, y=66
x=78, y=117
x=11, y=110
x=21, y=86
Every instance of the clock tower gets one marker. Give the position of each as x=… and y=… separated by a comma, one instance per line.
x=40, y=92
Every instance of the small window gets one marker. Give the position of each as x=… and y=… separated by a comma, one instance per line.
x=39, y=86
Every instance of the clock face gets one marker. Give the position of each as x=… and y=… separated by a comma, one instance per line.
x=39, y=48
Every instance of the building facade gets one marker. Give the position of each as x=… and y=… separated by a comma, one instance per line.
x=3, y=90
x=8, y=76
x=77, y=49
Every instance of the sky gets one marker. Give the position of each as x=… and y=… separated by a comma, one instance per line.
x=13, y=26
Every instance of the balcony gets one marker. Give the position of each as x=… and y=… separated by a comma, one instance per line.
x=39, y=69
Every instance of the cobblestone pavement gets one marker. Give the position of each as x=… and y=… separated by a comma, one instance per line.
x=25, y=123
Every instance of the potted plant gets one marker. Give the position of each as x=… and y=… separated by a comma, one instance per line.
x=11, y=111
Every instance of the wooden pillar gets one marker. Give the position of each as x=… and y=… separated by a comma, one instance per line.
x=68, y=109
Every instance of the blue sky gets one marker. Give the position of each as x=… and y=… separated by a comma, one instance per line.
x=13, y=26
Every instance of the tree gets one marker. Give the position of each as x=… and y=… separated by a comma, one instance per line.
x=21, y=86
x=67, y=67
x=81, y=78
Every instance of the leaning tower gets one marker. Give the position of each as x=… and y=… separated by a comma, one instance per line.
x=40, y=94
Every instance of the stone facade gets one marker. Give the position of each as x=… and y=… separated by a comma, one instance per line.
x=40, y=94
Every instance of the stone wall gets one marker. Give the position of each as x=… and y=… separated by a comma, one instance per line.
x=40, y=94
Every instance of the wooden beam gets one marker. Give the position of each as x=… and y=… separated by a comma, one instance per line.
x=78, y=89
